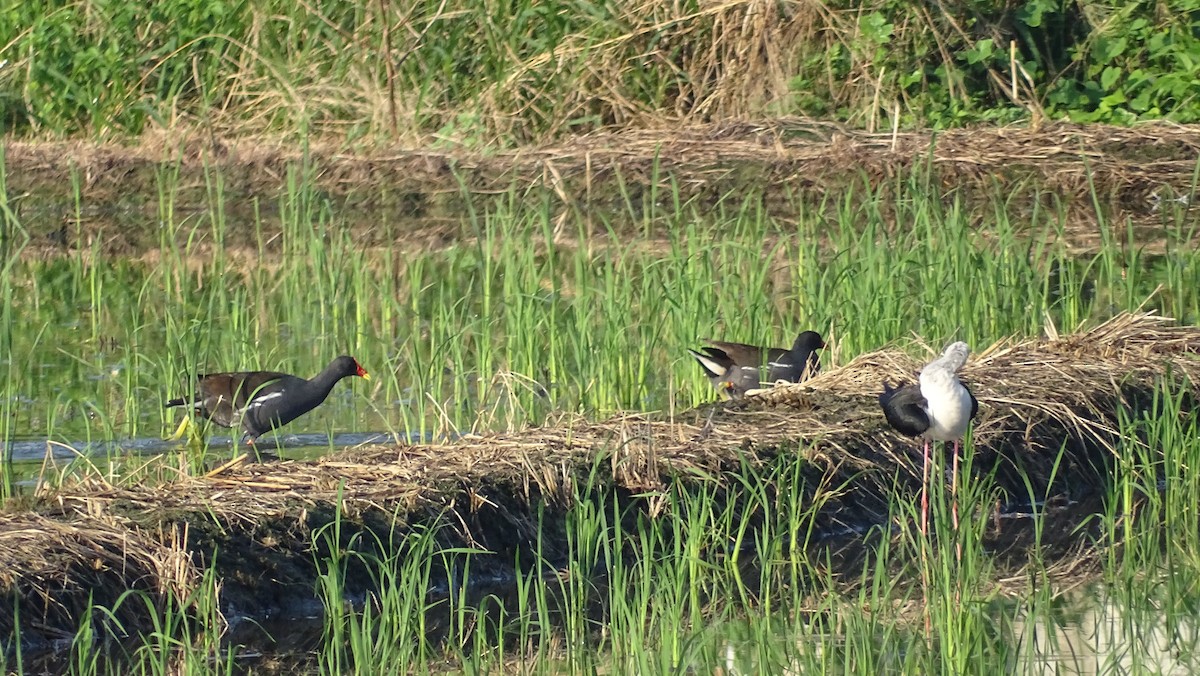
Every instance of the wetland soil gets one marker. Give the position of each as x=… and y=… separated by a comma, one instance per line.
x=78, y=195
x=263, y=530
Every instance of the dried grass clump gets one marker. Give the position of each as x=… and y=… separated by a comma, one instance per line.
x=55, y=567
x=1133, y=170
x=1036, y=397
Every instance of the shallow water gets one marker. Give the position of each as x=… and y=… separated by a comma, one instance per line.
x=1091, y=628
x=1094, y=631
x=292, y=446
x=1087, y=631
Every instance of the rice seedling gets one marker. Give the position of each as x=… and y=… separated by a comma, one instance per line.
x=184, y=637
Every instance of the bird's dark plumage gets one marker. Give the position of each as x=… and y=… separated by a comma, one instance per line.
x=799, y=363
x=264, y=400
x=735, y=368
x=904, y=408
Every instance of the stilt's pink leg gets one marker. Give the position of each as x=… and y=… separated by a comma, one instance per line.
x=925, y=489
x=954, y=487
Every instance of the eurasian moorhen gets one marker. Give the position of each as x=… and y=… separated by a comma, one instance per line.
x=735, y=368
x=264, y=400
x=937, y=408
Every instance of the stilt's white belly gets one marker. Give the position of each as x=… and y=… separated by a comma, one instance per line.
x=948, y=405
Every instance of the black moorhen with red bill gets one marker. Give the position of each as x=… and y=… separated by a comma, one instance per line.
x=264, y=400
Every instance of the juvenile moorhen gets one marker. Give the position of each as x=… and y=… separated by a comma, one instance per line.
x=735, y=368
x=264, y=400
x=937, y=408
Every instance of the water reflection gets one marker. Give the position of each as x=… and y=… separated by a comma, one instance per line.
x=36, y=450
x=1095, y=631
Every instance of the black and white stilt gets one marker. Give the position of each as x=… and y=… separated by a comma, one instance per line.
x=937, y=408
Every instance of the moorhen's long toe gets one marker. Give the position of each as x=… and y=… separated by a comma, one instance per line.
x=264, y=400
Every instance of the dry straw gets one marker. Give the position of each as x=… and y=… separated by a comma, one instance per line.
x=1137, y=169
x=59, y=564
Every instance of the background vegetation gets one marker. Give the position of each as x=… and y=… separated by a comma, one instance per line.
x=479, y=71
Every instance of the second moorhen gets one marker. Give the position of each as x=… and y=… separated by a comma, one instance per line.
x=264, y=400
x=735, y=368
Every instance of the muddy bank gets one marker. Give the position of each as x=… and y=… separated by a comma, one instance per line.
x=418, y=194
x=256, y=527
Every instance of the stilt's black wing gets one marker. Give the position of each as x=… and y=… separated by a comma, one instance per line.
x=904, y=408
